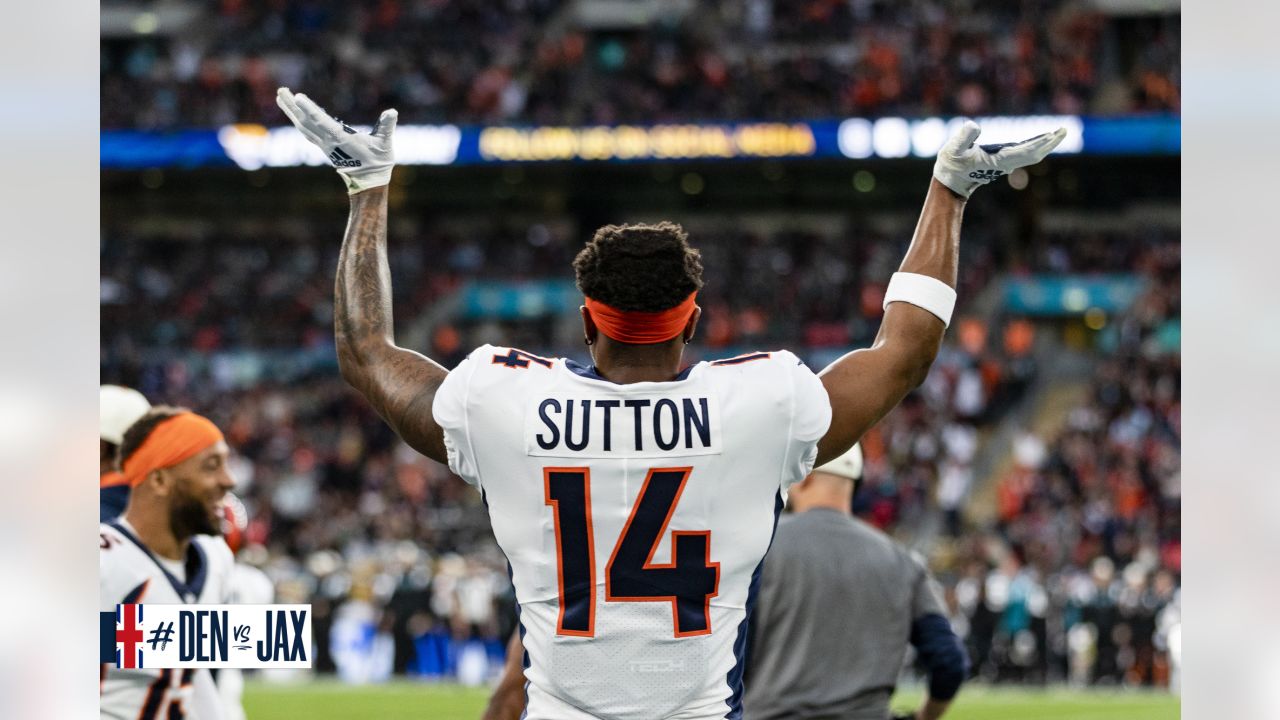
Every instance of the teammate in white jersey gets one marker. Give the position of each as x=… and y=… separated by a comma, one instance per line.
x=166, y=549
x=635, y=499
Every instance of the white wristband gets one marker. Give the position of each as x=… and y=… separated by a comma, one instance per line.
x=924, y=292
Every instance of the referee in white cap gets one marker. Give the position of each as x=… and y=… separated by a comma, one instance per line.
x=118, y=408
x=839, y=602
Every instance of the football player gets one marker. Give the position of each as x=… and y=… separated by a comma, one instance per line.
x=166, y=549
x=635, y=498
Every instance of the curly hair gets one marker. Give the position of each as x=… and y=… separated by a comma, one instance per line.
x=141, y=430
x=644, y=268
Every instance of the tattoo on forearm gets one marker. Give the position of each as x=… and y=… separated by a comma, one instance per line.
x=363, y=294
x=400, y=384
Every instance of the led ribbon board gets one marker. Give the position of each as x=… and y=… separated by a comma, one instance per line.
x=252, y=147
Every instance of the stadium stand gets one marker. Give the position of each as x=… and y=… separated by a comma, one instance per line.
x=551, y=62
x=1080, y=567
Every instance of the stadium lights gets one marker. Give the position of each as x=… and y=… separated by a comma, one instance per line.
x=253, y=147
x=892, y=137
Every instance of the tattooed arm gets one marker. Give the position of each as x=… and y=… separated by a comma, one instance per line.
x=400, y=384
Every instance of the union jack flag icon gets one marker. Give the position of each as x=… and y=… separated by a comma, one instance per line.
x=128, y=636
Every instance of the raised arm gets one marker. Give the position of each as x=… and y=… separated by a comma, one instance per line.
x=400, y=384
x=865, y=385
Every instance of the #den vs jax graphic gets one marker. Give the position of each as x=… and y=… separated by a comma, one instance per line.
x=206, y=636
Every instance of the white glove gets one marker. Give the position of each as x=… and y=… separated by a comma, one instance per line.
x=963, y=167
x=363, y=161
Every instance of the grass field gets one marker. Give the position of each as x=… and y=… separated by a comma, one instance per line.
x=419, y=701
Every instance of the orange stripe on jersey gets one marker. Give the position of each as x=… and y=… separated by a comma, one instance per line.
x=585, y=475
x=739, y=359
x=112, y=479
x=135, y=596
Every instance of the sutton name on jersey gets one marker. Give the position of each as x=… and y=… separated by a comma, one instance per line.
x=631, y=426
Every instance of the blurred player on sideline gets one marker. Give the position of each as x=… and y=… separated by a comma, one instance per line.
x=635, y=498
x=118, y=408
x=165, y=549
x=249, y=586
x=839, y=602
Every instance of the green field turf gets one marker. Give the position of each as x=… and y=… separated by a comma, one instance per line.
x=325, y=700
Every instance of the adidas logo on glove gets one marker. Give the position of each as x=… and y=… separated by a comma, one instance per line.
x=986, y=175
x=341, y=159
x=364, y=160
x=963, y=166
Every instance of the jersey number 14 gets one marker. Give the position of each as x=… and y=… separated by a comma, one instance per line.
x=688, y=582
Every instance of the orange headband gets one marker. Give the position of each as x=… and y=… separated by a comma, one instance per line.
x=641, y=328
x=172, y=441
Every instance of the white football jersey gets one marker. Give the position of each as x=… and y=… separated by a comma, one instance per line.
x=634, y=517
x=130, y=573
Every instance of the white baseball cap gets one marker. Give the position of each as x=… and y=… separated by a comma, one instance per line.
x=118, y=408
x=848, y=465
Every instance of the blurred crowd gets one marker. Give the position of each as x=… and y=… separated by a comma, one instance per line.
x=530, y=61
x=1079, y=569
x=1078, y=577
x=921, y=457
x=791, y=285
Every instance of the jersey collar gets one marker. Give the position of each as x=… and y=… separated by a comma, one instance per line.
x=590, y=372
x=196, y=563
